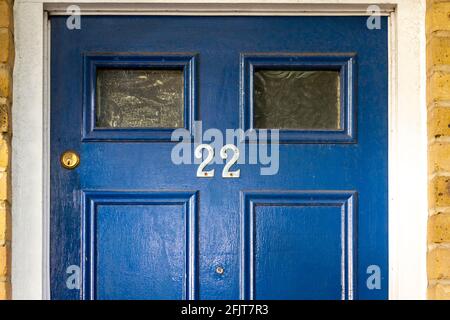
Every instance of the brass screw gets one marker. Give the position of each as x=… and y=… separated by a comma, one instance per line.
x=220, y=270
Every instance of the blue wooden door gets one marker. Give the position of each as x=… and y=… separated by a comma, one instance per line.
x=129, y=223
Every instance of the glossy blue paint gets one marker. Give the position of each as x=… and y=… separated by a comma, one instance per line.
x=275, y=228
x=159, y=233
x=127, y=213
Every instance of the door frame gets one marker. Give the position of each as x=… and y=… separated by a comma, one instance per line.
x=408, y=203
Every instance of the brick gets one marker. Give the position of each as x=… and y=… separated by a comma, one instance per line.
x=438, y=86
x=439, y=264
x=5, y=81
x=7, y=45
x=5, y=223
x=438, y=17
x=439, y=292
x=439, y=192
x=438, y=51
x=4, y=117
x=5, y=186
x=439, y=122
x=5, y=147
x=5, y=261
x=439, y=157
x=6, y=14
x=5, y=290
x=439, y=228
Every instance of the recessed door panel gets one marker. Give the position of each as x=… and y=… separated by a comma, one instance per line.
x=298, y=245
x=139, y=245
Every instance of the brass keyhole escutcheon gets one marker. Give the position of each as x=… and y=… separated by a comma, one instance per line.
x=70, y=159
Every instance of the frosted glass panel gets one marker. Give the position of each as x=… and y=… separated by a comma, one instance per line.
x=139, y=98
x=305, y=100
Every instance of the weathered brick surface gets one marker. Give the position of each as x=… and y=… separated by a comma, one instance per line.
x=439, y=157
x=4, y=260
x=5, y=116
x=438, y=51
x=439, y=228
x=439, y=264
x=6, y=70
x=5, y=81
x=438, y=18
x=6, y=20
x=438, y=101
x=439, y=122
x=439, y=192
x=438, y=84
x=439, y=292
x=7, y=45
x=4, y=151
x=5, y=186
x=5, y=223
x=5, y=289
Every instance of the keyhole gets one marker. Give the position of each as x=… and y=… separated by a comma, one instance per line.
x=70, y=160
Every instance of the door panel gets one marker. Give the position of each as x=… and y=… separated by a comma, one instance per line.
x=153, y=237
x=298, y=245
x=140, y=226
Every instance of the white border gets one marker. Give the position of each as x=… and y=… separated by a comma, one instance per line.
x=407, y=126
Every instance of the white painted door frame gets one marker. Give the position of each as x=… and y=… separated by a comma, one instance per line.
x=407, y=126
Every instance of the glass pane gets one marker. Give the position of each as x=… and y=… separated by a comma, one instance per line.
x=140, y=98
x=306, y=100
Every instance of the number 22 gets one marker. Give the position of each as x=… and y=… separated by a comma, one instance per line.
x=226, y=173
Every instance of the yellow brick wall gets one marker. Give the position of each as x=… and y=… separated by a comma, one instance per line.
x=438, y=95
x=6, y=67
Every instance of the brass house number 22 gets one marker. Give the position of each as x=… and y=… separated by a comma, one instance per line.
x=224, y=153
